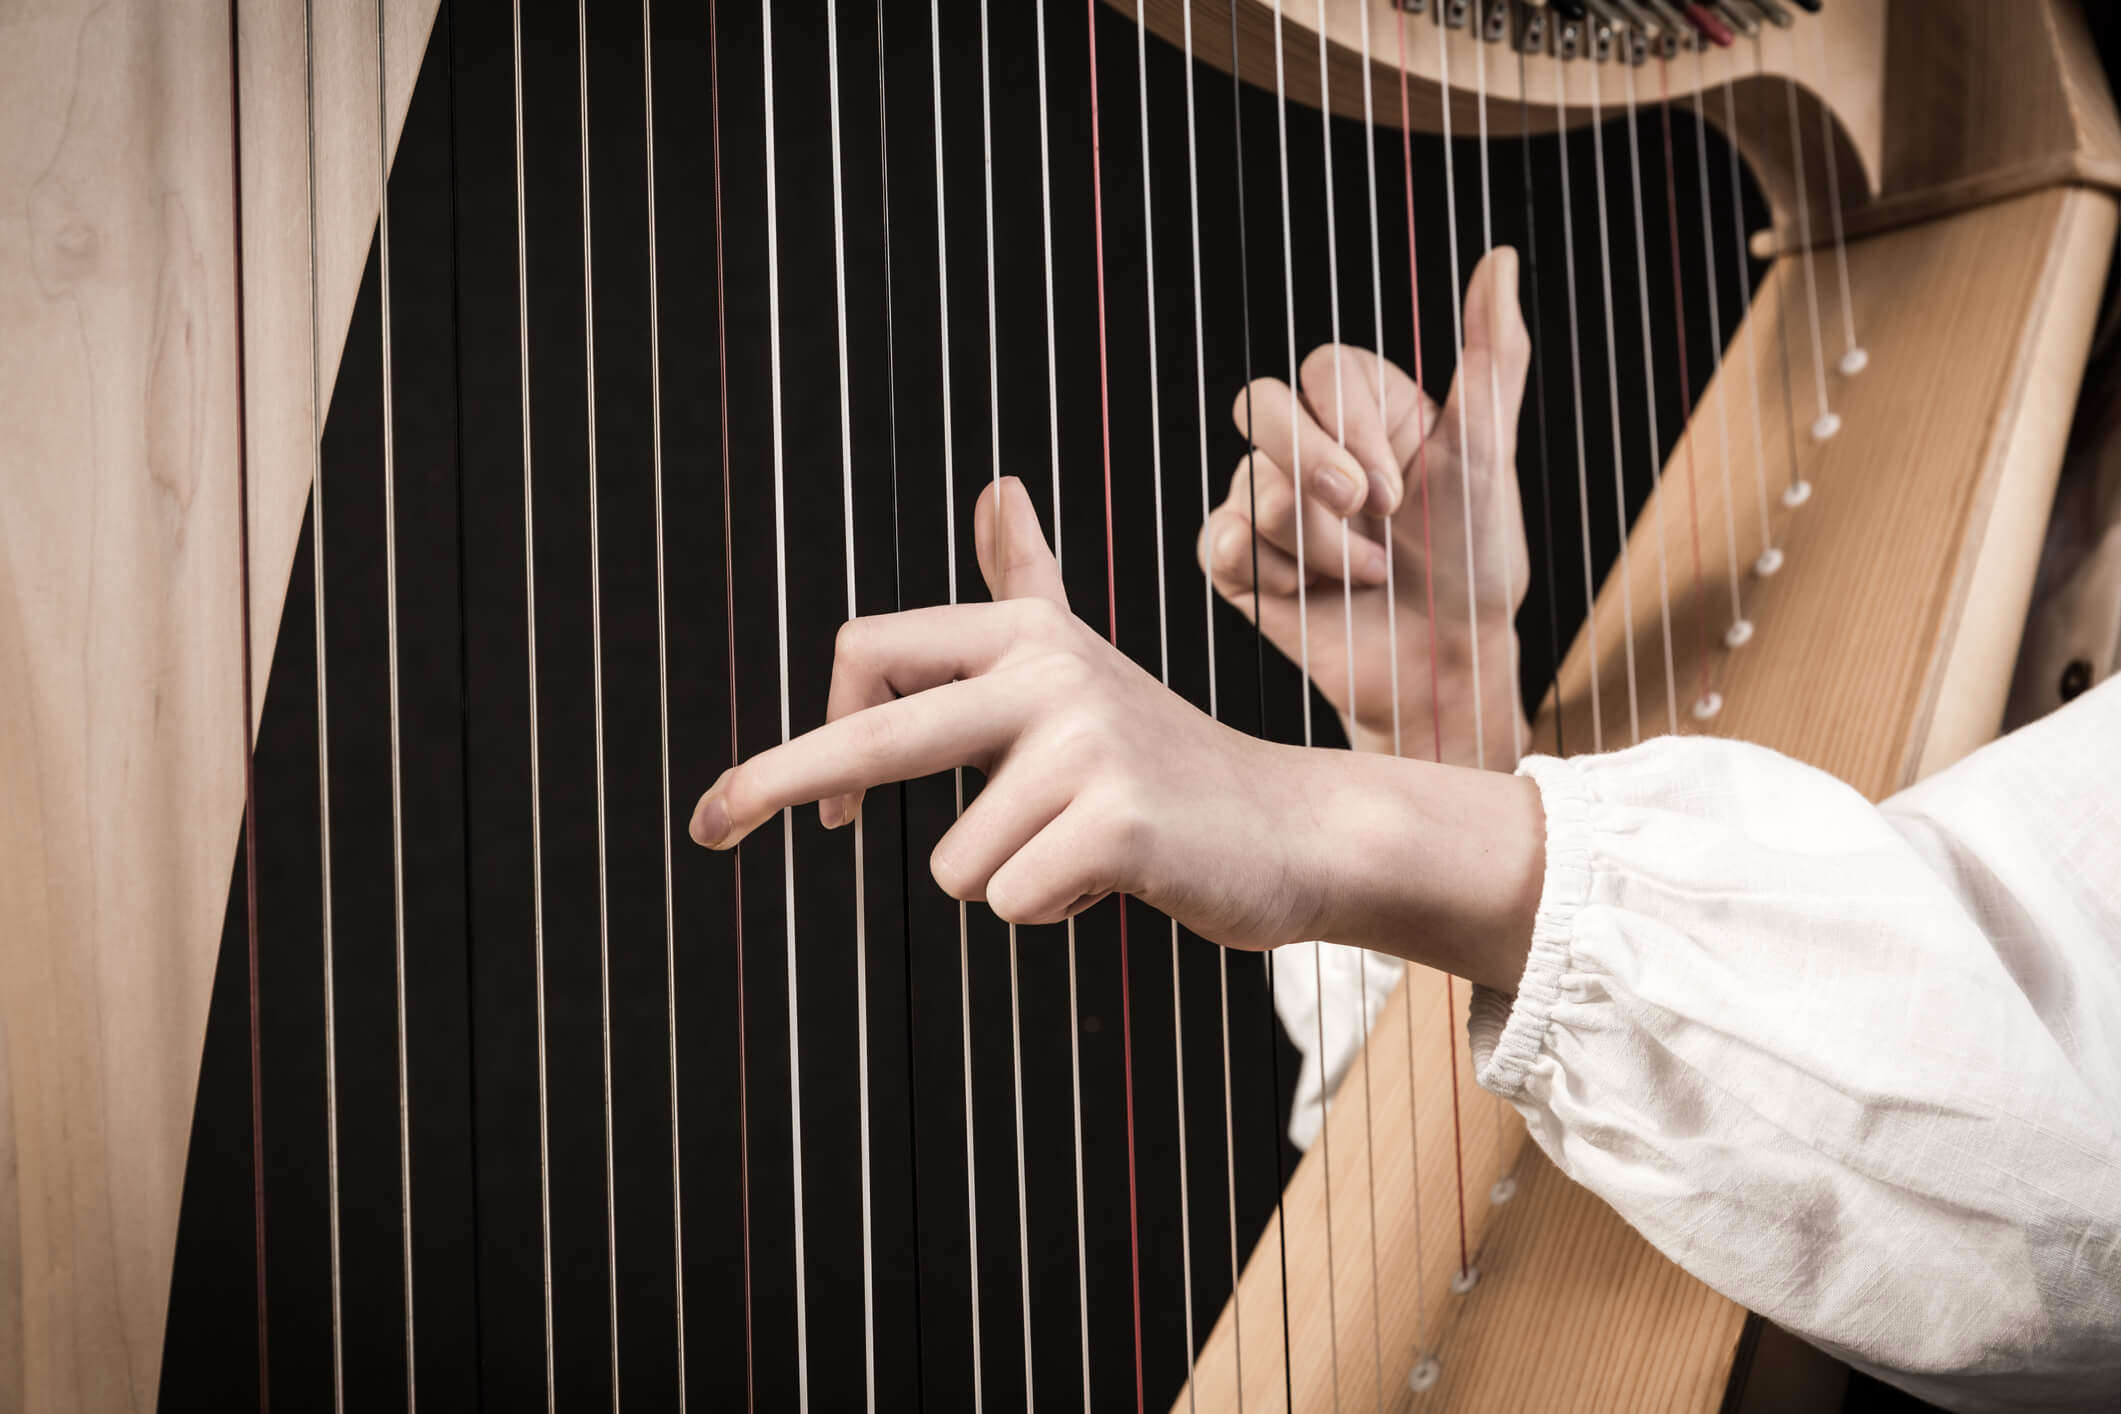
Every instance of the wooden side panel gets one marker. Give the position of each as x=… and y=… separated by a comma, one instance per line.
x=120, y=698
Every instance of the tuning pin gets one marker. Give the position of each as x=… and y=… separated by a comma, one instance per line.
x=1453, y=14
x=1532, y=29
x=1677, y=33
x=1739, y=16
x=1775, y=14
x=1712, y=28
x=1495, y=21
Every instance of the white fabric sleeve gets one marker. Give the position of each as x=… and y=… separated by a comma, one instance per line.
x=1357, y=985
x=1856, y=1067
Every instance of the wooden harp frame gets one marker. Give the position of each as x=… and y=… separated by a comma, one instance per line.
x=1977, y=145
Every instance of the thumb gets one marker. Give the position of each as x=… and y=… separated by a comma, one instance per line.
x=1491, y=375
x=1013, y=556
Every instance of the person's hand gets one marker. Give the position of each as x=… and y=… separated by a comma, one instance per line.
x=1363, y=463
x=1100, y=780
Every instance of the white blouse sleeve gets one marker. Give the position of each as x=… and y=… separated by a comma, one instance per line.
x=1857, y=1067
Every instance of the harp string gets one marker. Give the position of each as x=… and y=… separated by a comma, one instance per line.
x=994, y=429
x=1538, y=384
x=1612, y=363
x=1741, y=628
x=780, y=564
x=1303, y=621
x=964, y=950
x=250, y=738
x=1425, y=1370
x=662, y=669
x=316, y=536
x=1104, y=394
x=1853, y=358
x=1465, y=478
x=1362, y=957
x=861, y=906
x=913, y=1131
x=1075, y=1052
x=1504, y=1187
x=596, y=681
x=1705, y=701
x=1827, y=424
x=397, y=775
x=1272, y=1035
x=1200, y=368
x=1649, y=402
x=537, y=824
x=1770, y=558
x=1163, y=638
x=1576, y=403
x=736, y=872
x=1795, y=490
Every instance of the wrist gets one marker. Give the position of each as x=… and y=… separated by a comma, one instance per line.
x=1435, y=864
x=1448, y=724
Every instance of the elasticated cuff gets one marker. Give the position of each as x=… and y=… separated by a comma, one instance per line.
x=1506, y=1032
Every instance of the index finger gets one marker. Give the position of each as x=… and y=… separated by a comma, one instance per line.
x=957, y=724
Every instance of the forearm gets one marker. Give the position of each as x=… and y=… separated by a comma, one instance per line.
x=1439, y=865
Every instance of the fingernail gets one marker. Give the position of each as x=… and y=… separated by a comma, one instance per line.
x=710, y=822
x=1382, y=495
x=1343, y=491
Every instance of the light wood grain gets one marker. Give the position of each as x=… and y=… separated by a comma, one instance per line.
x=121, y=732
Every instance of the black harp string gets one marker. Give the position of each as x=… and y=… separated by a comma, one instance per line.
x=964, y=951
x=1259, y=665
x=471, y=839
x=780, y=565
x=397, y=774
x=861, y=893
x=250, y=738
x=316, y=535
x=994, y=433
x=1075, y=1051
x=596, y=683
x=530, y=640
x=662, y=678
x=898, y=587
x=1303, y=626
x=736, y=872
x=1539, y=385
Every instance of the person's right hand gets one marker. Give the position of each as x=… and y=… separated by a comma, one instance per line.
x=1364, y=460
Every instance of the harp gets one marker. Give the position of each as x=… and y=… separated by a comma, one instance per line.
x=199, y=190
